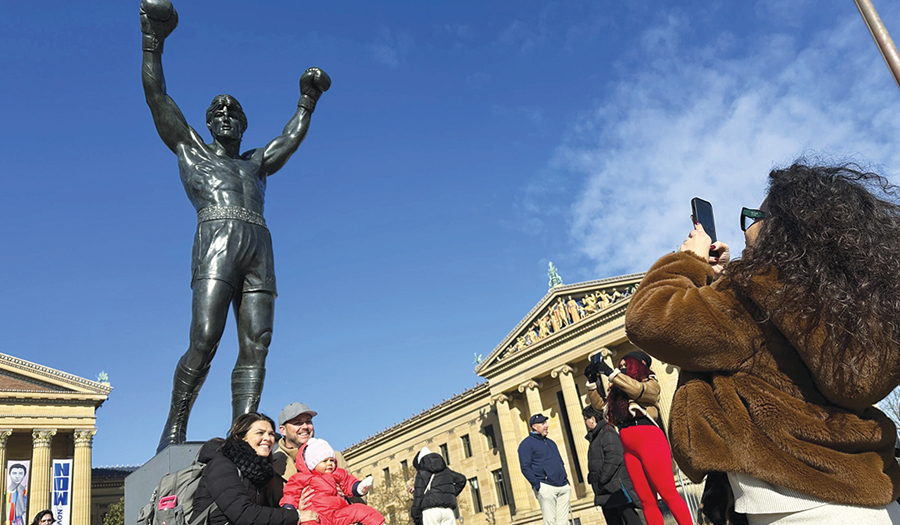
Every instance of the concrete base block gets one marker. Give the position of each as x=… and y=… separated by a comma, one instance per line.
x=139, y=484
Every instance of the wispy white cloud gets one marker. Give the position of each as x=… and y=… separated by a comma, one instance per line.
x=688, y=122
x=462, y=35
x=521, y=35
x=537, y=29
x=785, y=11
x=390, y=47
x=535, y=214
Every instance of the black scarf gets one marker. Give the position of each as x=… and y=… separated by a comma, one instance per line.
x=257, y=469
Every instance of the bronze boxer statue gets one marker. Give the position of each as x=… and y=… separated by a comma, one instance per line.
x=232, y=257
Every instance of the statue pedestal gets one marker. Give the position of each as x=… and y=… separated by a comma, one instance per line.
x=139, y=484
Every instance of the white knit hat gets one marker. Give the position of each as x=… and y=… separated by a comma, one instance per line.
x=422, y=453
x=317, y=450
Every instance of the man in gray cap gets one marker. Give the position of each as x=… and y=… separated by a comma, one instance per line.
x=296, y=425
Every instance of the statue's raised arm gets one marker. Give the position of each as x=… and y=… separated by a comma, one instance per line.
x=158, y=19
x=313, y=82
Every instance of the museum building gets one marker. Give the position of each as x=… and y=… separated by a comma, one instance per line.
x=47, y=419
x=537, y=368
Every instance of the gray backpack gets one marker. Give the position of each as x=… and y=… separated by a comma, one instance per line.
x=173, y=497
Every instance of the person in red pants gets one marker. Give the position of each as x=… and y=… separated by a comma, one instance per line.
x=631, y=407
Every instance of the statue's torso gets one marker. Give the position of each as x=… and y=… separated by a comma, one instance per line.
x=210, y=179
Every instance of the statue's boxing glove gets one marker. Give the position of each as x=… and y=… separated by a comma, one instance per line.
x=158, y=20
x=313, y=82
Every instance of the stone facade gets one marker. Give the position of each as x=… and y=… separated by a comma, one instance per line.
x=46, y=414
x=538, y=367
x=107, y=488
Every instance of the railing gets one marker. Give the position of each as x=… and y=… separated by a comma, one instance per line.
x=690, y=491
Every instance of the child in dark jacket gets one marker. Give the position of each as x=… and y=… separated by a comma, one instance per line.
x=317, y=468
x=436, y=488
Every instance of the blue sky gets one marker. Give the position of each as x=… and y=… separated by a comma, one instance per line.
x=463, y=145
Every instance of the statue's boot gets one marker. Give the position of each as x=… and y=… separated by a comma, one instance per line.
x=185, y=387
x=246, y=389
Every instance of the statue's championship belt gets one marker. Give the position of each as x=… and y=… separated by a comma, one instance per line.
x=211, y=213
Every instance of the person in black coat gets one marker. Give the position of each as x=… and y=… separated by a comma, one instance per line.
x=240, y=479
x=436, y=488
x=613, y=491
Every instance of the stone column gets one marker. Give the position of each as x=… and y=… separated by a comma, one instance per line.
x=4, y=435
x=523, y=497
x=81, y=478
x=573, y=408
x=668, y=382
x=530, y=388
x=39, y=497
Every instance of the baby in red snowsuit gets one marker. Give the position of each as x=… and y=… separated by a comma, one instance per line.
x=317, y=468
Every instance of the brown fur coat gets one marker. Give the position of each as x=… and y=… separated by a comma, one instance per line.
x=752, y=398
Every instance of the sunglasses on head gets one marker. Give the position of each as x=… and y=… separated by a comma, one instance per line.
x=749, y=217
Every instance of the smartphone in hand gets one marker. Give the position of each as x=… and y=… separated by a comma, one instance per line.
x=702, y=212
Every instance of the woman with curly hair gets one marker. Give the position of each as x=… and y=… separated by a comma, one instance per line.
x=240, y=479
x=784, y=352
x=631, y=406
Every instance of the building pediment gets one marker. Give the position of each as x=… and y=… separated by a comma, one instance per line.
x=13, y=382
x=564, y=310
x=21, y=377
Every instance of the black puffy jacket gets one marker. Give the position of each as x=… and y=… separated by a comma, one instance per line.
x=606, y=468
x=239, y=501
x=446, y=484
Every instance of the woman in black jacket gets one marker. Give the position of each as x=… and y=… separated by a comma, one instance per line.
x=436, y=488
x=239, y=478
x=613, y=491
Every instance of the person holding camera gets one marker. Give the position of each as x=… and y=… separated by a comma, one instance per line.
x=631, y=407
x=784, y=353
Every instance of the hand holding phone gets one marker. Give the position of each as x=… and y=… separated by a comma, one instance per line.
x=702, y=212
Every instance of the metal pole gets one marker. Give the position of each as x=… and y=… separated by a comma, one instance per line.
x=689, y=497
x=881, y=36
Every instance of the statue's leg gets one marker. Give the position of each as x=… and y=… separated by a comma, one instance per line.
x=255, y=313
x=209, y=312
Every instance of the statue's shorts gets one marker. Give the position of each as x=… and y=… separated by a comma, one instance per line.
x=236, y=252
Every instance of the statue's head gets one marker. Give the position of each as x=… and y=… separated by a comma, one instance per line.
x=222, y=113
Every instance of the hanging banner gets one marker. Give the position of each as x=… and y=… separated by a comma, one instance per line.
x=61, y=493
x=17, y=471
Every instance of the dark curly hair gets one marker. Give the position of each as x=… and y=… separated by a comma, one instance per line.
x=833, y=235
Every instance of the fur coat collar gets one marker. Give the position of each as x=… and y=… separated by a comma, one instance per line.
x=758, y=395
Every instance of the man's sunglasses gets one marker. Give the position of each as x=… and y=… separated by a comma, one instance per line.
x=749, y=217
